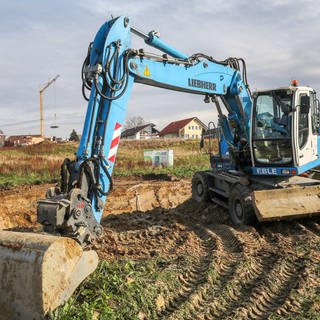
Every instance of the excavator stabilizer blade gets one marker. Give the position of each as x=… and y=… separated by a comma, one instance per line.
x=39, y=272
x=286, y=203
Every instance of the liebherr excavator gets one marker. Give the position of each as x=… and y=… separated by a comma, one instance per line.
x=268, y=139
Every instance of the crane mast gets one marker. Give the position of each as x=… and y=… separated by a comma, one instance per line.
x=42, y=89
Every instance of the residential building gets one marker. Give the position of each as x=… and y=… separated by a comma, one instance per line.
x=2, y=138
x=190, y=128
x=146, y=131
x=24, y=140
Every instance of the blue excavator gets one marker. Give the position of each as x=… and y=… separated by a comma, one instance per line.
x=268, y=143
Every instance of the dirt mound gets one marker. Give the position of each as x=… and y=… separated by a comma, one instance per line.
x=18, y=206
x=129, y=196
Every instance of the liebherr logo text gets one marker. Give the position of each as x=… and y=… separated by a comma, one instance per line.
x=266, y=170
x=201, y=84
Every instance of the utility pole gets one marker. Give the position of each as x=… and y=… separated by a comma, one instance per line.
x=41, y=102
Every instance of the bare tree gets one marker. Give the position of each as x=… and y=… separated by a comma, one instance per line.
x=134, y=122
x=74, y=136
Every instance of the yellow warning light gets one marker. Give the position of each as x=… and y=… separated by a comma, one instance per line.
x=294, y=83
x=146, y=72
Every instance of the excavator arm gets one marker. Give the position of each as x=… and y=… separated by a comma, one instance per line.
x=109, y=72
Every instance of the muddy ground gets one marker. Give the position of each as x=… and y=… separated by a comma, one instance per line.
x=259, y=270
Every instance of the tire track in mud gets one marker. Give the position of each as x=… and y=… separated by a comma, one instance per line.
x=236, y=273
x=241, y=273
x=227, y=261
x=309, y=278
x=250, y=269
x=193, y=277
x=271, y=291
x=224, y=264
x=311, y=227
x=245, y=287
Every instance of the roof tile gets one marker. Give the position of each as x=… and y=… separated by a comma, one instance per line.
x=175, y=126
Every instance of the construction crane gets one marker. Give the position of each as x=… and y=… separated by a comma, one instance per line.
x=41, y=102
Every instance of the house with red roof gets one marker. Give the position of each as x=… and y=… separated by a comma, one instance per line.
x=190, y=128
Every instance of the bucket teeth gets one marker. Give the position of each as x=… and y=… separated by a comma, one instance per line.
x=39, y=272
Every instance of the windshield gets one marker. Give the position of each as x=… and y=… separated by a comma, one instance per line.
x=272, y=127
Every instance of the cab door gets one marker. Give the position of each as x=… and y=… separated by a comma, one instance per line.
x=306, y=138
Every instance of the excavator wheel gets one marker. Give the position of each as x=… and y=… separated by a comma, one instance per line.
x=240, y=205
x=200, y=187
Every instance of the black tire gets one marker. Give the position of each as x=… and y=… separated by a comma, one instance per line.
x=200, y=187
x=240, y=205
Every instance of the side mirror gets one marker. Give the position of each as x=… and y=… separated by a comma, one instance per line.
x=304, y=104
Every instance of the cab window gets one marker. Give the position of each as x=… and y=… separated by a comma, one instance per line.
x=272, y=127
x=303, y=124
x=314, y=113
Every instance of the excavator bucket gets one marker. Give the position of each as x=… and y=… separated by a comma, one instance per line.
x=286, y=203
x=39, y=272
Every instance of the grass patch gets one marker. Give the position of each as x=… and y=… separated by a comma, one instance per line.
x=41, y=163
x=121, y=290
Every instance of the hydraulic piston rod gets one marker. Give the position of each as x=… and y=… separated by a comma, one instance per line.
x=153, y=40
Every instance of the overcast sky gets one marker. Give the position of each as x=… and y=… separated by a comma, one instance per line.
x=279, y=40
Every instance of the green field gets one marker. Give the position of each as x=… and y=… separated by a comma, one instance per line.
x=40, y=163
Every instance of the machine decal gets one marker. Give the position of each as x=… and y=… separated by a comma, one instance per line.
x=115, y=142
x=272, y=171
x=147, y=72
x=201, y=84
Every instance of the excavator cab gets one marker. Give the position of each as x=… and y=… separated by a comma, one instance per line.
x=285, y=146
x=285, y=131
x=272, y=128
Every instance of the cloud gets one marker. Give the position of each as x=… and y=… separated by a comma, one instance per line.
x=40, y=39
